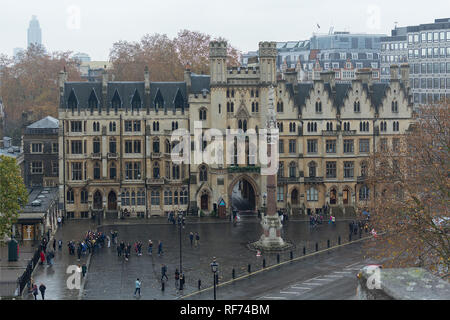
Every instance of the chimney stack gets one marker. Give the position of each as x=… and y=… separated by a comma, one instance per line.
x=329, y=77
x=364, y=75
x=394, y=72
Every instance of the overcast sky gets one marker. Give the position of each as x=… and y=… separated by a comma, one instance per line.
x=92, y=26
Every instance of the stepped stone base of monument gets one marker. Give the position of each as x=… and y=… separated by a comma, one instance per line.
x=271, y=240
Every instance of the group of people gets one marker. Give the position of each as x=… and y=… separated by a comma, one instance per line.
x=34, y=289
x=124, y=250
x=358, y=226
x=45, y=254
x=172, y=216
x=315, y=219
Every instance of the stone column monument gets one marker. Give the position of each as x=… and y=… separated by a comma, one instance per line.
x=271, y=222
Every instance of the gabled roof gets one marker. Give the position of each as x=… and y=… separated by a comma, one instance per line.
x=168, y=91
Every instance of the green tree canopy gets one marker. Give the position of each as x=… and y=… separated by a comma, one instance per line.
x=13, y=194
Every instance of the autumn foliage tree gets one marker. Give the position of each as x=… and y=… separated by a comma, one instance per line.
x=411, y=202
x=29, y=83
x=166, y=58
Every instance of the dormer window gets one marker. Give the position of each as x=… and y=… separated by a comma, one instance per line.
x=394, y=106
x=159, y=101
x=116, y=102
x=72, y=102
x=93, y=101
x=280, y=106
x=136, y=101
x=202, y=114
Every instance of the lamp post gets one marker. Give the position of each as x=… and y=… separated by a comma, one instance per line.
x=180, y=226
x=214, y=269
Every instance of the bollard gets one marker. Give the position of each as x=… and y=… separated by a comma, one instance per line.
x=328, y=243
x=292, y=255
x=264, y=263
x=249, y=268
x=339, y=240
x=349, y=237
x=278, y=258
x=304, y=250
x=317, y=246
x=233, y=273
x=199, y=284
x=162, y=285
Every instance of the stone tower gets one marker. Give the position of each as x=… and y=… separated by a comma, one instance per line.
x=267, y=62
x=218, y=62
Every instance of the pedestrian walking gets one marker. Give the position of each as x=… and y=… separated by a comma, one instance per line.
x=197, y=239
x=163, y=272
x=150, y=247
x=160, y=248
x=54, y=244
x=138, y=287
x=35, y=291
x=42, y=290
x=191, y=237
x=84, y=269
x=177, y=278
x=109, y=241
x=119, y=251
x=59, y=221
x=59, y=244
x=42, y=257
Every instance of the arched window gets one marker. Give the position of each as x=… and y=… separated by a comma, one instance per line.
x=112, y=126
x=364, y=193
x=203, y=177
x=318, y=106
x=315, y=126
x=112, y=171
x=202, y=114
x=312, y=194
x=356, y=107
x=280, y=106
x=176, y=172
x=156, y=145
x=155, y=198
x=96, y=170
x=292, y=170
x=84, y=196
x=96, y=145
x=394, y=106
x=156, y=170
x=232, y=107
x=312, y=169
x=112, y=145
x=168, y=147
x=70, y=198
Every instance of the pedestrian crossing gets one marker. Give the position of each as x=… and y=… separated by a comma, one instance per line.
x=296, y=290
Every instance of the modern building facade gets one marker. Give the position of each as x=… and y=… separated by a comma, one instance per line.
x=342, y=52
x=40, y=148
x=115, y=139
x=426, y=48
x=34, y=33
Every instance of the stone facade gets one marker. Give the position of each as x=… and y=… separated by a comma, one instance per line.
x=115, y=138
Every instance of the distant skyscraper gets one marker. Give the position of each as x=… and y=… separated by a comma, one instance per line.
x=34, y=32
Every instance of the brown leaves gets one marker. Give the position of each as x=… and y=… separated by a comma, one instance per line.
x=412, y=192
x=166, y=58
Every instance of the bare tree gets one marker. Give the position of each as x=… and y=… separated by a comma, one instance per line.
x=409, y=180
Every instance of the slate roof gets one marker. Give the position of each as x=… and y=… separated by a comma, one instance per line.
x=126, y=92
x=199, y=82
x=338, y=96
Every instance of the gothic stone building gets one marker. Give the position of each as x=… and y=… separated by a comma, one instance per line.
x=114, y=139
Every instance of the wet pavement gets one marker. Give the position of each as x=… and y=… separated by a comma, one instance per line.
x=55, y=277
x=110, y=277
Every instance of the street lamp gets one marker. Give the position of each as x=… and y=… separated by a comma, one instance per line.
x=214, y=269
x=180, y=225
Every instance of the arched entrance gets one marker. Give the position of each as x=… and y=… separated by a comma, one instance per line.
x=346, y=197
x=294, y=197
x=98, y=200
x=243, y=194
x=112, y=201
x=204, y=201
x=333, y=196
